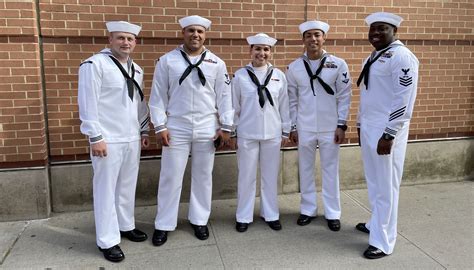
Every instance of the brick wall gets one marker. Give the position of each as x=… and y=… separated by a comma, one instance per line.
x=22, y=124
x=439, y=32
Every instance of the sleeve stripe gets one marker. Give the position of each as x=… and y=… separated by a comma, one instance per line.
x=95, y=139
x=145, y=122
x=393, y=117
x=391, y=131
x=401, y=109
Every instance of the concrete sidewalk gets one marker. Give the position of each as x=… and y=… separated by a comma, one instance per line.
x=436, y=228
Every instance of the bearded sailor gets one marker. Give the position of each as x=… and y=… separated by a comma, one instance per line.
x=191, y=107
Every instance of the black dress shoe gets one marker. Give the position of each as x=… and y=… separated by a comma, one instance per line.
x=334, y=224
x=159, y=237
x=241, y=227
x=304, y=220
x=113, y=254
x=275, y=225
x=374, y=253
x=201, y=232
x=361, y=227
x=134, y=235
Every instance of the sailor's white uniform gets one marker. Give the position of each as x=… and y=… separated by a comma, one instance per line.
x=316, y=117
x=386, y=106
x=259, y=131
x=191, y=113
x=108, y=114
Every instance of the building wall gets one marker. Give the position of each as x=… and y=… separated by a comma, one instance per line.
x=42, y=44
x=68, y=31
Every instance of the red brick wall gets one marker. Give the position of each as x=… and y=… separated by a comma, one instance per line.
x=22, y=124
x=439, y=32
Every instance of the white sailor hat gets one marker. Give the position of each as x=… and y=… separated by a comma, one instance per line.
x=261, y=38
x=385, y=17
x=314, y=25
x=194, y=20
x=122, y=26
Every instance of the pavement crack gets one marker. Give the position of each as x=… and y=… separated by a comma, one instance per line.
x=217, y=245
x=420, y=249
x=354, y=199
x=14, y=242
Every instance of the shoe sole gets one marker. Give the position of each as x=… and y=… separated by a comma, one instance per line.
x=374, y=257
x=114, y=260
x=241, y=229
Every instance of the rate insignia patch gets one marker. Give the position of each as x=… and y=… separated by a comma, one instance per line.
x=227, y=79
x=346, y=80
x=406, y=80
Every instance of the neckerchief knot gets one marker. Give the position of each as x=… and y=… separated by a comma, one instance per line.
x=190, y=67
x=262, y=88
x=315, y=76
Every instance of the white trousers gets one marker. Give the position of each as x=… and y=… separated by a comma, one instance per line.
x=250, y=153
x=114, y=185
x=383, y=174
x=173, y=164
x=329, y=156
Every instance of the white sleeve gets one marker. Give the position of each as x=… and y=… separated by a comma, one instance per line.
x=284, y=108
x=224, y=98
x=343, y=93
x=89, y=87
x=159, y=95
x=358, y=109
x=143, y=116
x=404, y=79
x=292, y=97
x=236, y=100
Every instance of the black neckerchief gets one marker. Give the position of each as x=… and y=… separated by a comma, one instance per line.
x=316, y=75
x=188, y=70
x=365, y=71
x=262, y=88
x=130, y=81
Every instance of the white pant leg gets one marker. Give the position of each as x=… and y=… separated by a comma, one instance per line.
x=329, y=153
x=269, y=167
x=106, y=171
x=383, y=175
x=247, y=158
x=307, y=143
x=398, y=153
x=368, y=148
x=173, y=163
x=126, y=186
x=202, y=162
